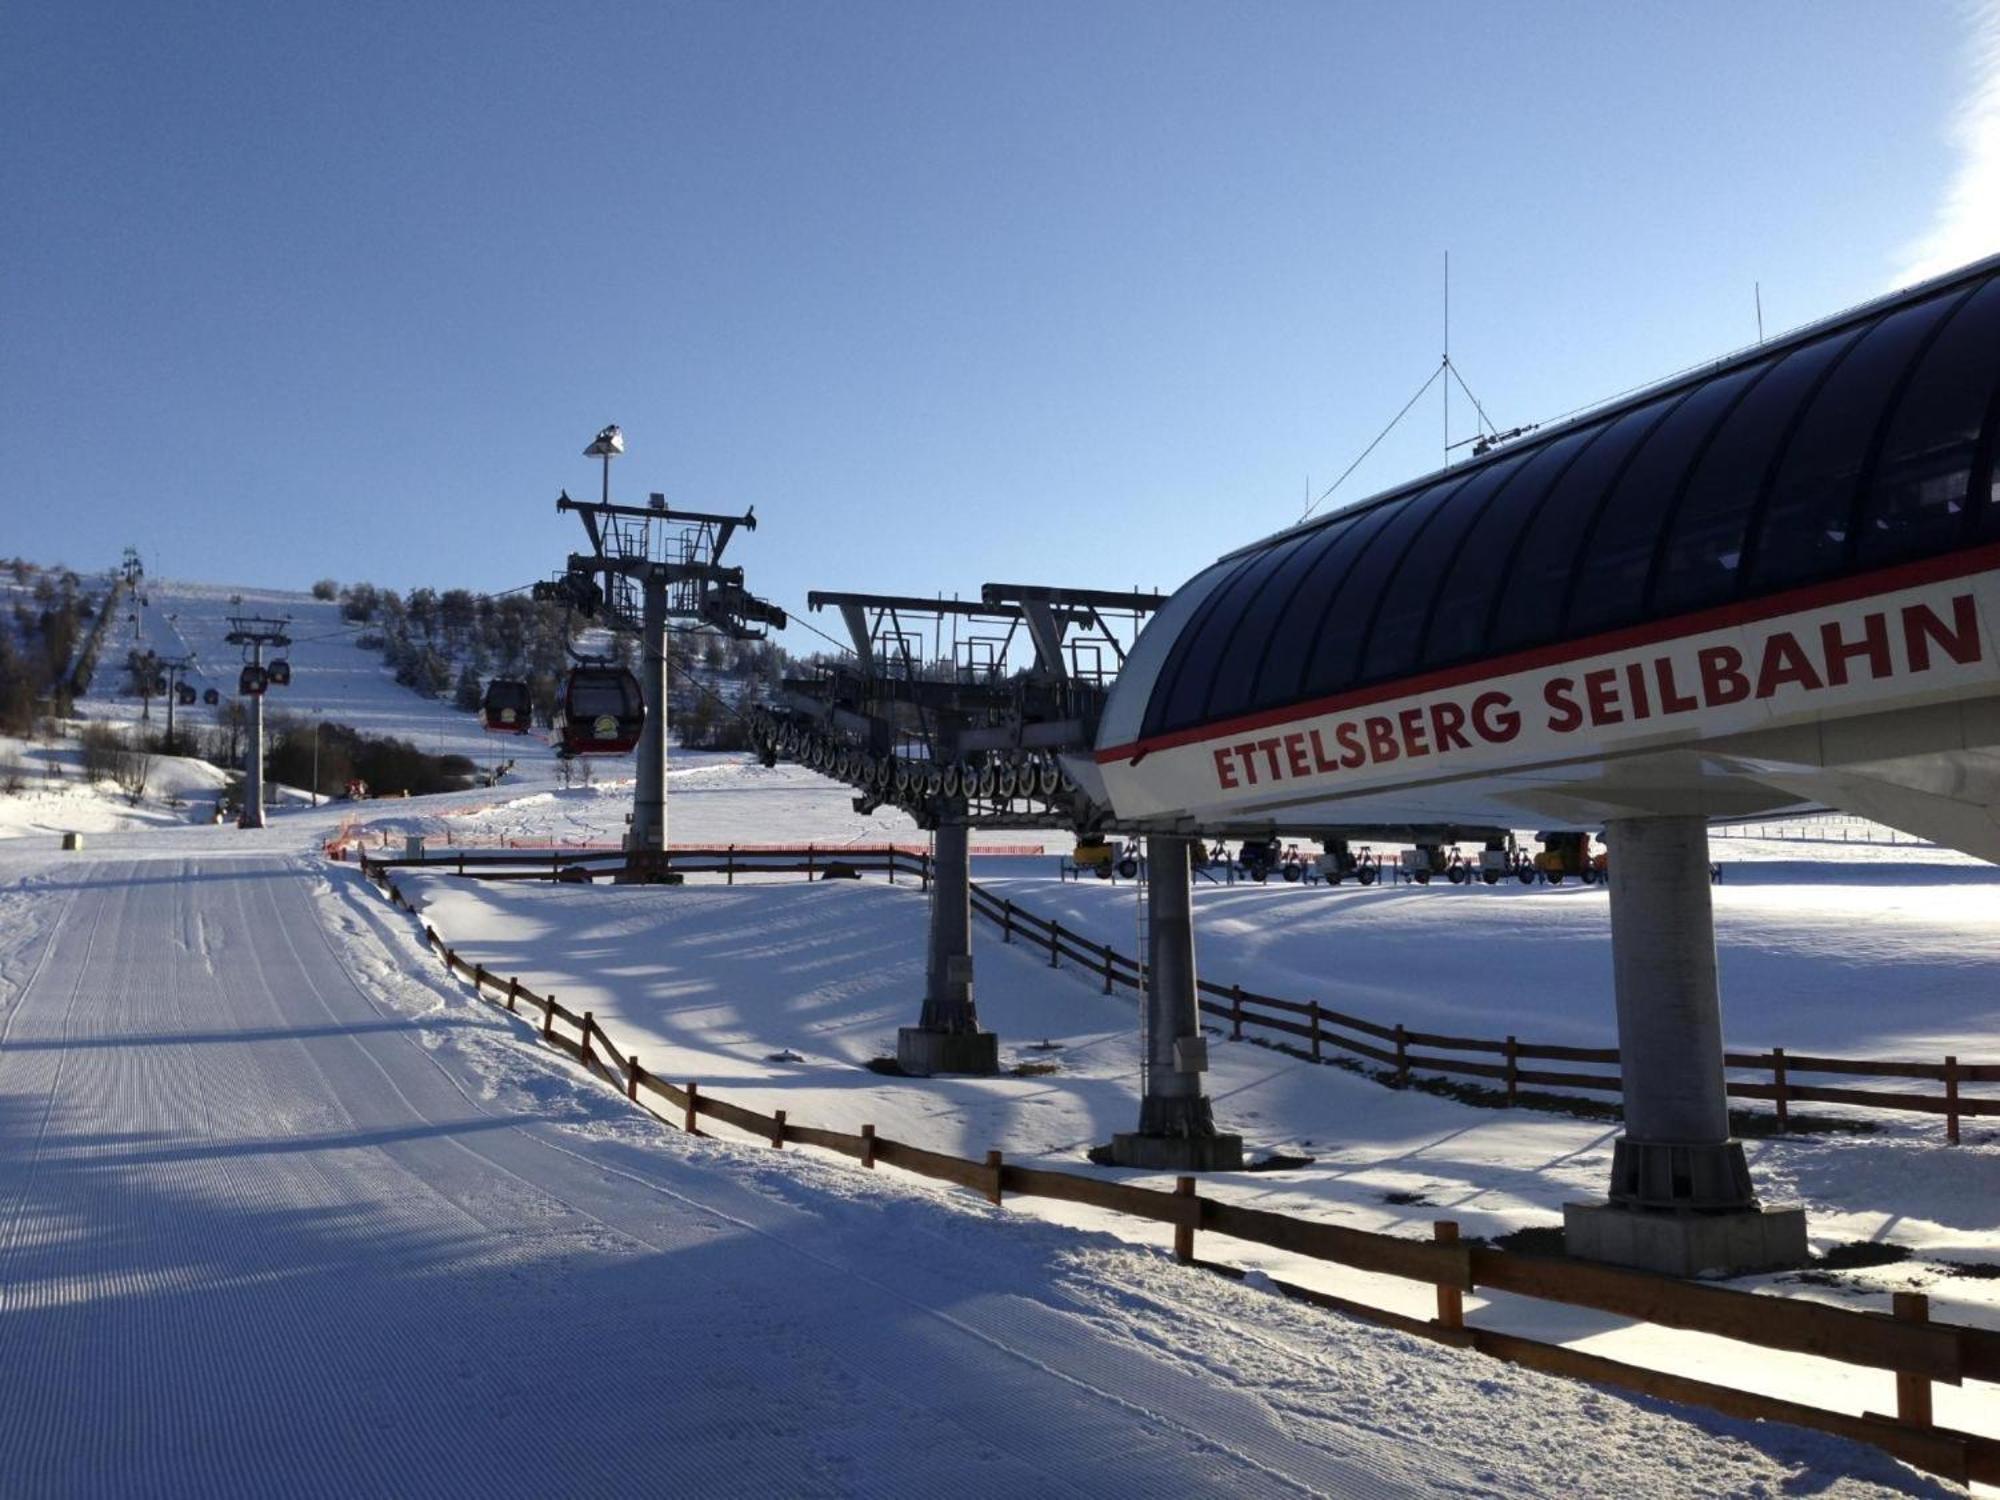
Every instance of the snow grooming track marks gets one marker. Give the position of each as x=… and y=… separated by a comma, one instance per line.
x=1935, y=1451
x=270, y=1249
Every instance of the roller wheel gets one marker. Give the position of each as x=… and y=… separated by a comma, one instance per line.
x=1525, y=875
x=1293, y=873
x=951, y=782
x=1456, y=875
x=988, y=780
x=1589, y=875
x=1491, y=877
x=1005, y=780
x=1048, y=779
x=1367, y=874
x=1129, y=868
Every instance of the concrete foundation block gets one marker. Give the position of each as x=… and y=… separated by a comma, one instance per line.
x=922, y=1053
x=1178, y=1153
x=1679, y=1243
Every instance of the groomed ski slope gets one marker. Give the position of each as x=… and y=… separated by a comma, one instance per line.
x=282, y=1213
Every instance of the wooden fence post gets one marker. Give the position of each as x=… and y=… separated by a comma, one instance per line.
x=1780, y=1096
x=478, y=977
x=688, y=1119
x=1106, y=951
x=1184, y=1232
x=868, y=1147
x=1402, y=1056
x=729, y=876
x=1913, y=1392
x=1236, y=1012
x=993, y=1166
x=548, y=1017
x=1315, y=1029
x=1055, y=937
x=1451, y=1301
x=1006, y=921
x=778, y=1129
x=513, y=990
x=632, y=1077
x=1951, y=1100
x=588, y=1022
x=1513, y=1071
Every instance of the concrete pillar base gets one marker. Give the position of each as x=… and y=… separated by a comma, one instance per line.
x=1732, y=1243
x=1700, y=1175
x=1177, y=1153
x=921, y=1052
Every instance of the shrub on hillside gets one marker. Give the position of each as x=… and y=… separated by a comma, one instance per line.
x=102, y=748
x=326, y=588
x=389, y=766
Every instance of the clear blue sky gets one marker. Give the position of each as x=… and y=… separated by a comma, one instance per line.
x=950, y=292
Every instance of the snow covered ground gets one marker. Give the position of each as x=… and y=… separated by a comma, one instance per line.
x=220, y=1115
x=289, y=1213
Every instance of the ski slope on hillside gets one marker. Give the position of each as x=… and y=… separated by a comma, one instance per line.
x=287, y=1218
x=332, y=678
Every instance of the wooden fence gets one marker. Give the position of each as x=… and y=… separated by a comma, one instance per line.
x=1508, y=1065
x=1904, y=1342
x=1514, y=1064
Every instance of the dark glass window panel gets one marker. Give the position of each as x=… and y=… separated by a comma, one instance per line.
x=1803, y=532
x=596, y=695
x=1457, y=629
x=1610, y=582
x=1185, y=685
x=1703, y=550
x=1986, y=505
x=1917, y=496
x=1343, y=627
x=1531, y=608
x=1269, y=611
x=1281, y=678
x=1398, y=632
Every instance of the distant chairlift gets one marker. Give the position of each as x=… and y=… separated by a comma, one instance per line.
x=185, y=695
x=507, y=706
x=603, y=710
x=252, y=682
x=280, y=672
x=211, y=696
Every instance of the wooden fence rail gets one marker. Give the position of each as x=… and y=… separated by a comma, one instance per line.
x=1321, y=1027
x=1915, y=1350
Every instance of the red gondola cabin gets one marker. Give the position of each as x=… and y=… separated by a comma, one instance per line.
x=603, y=711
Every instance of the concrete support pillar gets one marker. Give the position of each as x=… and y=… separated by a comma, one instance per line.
x=649, y=793
x=1681, y=1199
x=252, y=814
x=1176, y=1123
x=947, y=1038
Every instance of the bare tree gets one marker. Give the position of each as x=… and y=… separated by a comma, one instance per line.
x=135, y=769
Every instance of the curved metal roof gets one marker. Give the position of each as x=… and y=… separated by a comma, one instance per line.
x=1856, y=444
